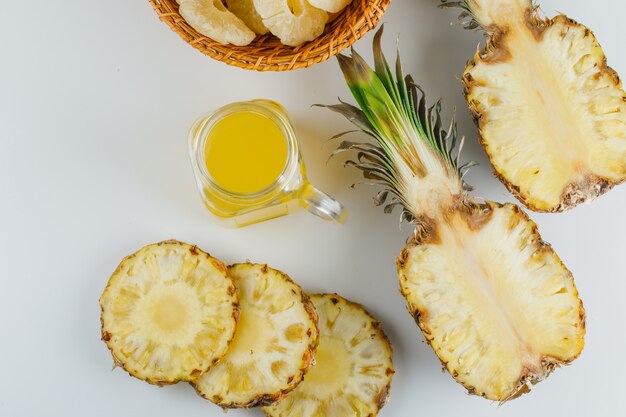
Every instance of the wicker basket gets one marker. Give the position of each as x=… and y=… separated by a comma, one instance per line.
x=266, y=53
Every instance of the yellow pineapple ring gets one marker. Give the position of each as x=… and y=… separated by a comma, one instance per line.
x=273, y=345
x=292, y=21
x=211, y=18
x=353, y=368
x=168, y=312
x=244, y=9
x=331, y=6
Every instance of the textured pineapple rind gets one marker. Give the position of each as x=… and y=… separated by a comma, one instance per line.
x=526, y=379
x=383, y=395
x=308, y=358
x=573, y=194
x=106, y=335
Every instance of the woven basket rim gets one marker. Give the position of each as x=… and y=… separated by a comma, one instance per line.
x=266, y=53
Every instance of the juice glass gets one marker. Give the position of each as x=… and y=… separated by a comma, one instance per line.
x=288, y=192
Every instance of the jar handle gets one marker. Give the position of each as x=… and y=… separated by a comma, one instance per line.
x=322, y=205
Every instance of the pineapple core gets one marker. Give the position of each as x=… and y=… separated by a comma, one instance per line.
x=334, y=367
x=170, y=313
x=253, y=338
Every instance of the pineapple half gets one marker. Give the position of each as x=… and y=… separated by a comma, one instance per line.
x=273, y=345
x=550, y=113
x=353, y=369
x=168, y=312
x=491, y=297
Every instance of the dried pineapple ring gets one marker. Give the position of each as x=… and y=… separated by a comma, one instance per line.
x=352, y=371
x=292, y=21
x=331, y=6
x=244, y=9
x=168, y=312
x=212, y=19
x=273, y=346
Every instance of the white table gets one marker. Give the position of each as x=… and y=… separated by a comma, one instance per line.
x=95, y=102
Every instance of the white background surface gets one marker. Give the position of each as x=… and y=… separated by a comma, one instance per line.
x=95, y=102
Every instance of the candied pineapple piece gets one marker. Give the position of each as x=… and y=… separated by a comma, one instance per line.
x=212, y=19
x=292, y=21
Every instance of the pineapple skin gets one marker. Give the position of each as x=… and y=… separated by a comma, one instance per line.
x=584, y=187
x=476, y=217
x=308, y=358
x=106, y=336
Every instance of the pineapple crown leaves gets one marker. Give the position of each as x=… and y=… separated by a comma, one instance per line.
x=466, y=18
x=410, y=142
x=470, y=11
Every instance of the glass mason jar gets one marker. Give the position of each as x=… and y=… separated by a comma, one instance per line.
x=290, y=191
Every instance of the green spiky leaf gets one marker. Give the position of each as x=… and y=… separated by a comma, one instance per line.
x=411, y=143
x=466, y=17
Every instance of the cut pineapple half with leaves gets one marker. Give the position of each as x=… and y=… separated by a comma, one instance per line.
x=273, y=345
x=493, y=300
x=551, y=114
x=169, y=312
x=212, y=19
x=491, y=297
x=353, y=369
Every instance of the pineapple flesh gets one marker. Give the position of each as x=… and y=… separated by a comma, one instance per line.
x=273, y=345
x=353, y=369
x=551, y=114
x=493, y=299
x=169, y=312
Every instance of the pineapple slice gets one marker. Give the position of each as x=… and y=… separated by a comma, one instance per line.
x=491, y=297
x=244, y=9
x=551, y=114
x=273, y=345
x=168, y=312
x=493, y=300
x=352, y=371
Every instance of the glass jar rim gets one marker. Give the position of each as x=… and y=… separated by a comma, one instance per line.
x=199, y=135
